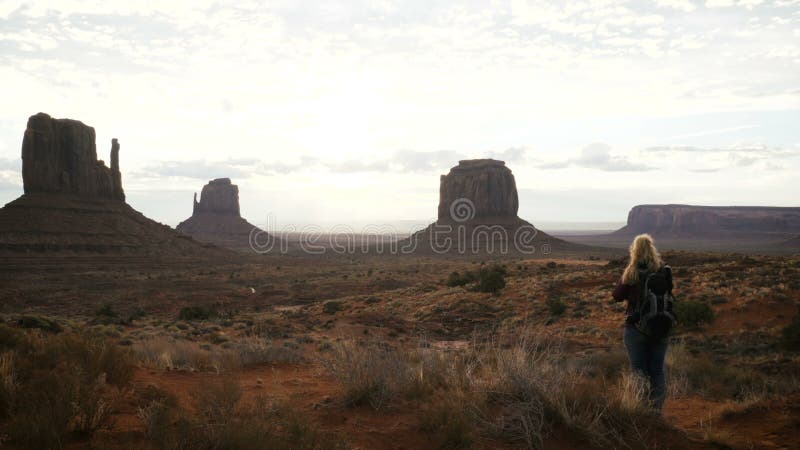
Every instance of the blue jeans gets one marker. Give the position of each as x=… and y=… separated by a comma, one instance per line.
x=647, y=359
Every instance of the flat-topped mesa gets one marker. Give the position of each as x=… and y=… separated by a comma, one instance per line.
x=60, y=156
x=219, y=196
x=487, y=183
x=695, y=220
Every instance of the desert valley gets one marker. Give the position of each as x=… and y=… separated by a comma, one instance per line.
x=479, y=331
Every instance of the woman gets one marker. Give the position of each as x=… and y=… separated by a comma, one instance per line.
x=646, y=354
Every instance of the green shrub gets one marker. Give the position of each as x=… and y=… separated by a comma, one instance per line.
x=137, y=313
x=790, y=336
x=556, y=305
x=491, y=279
x=692, y=313
x=107, y=310
x=458, y=279
x=42, y=323
x=196, y=313
x=331, y=307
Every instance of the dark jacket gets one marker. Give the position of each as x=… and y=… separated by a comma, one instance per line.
x=631, y=293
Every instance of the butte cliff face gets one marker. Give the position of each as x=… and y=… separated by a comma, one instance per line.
x=60, y=156
x=487, y=183
x=219, y=196
x=712, y=221
x=477, y=214
x=74, y=203
x=216, y=218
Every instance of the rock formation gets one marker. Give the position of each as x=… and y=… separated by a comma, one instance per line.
x=477, y=214
x=487, y=183
x=59, y=156
x=74, y=203
x=218, y=196
x=712, y=221
x=216, y=219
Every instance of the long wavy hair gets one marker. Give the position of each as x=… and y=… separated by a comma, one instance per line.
x=643, y=253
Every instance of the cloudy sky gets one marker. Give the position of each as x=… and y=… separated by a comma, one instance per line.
x=348, y=111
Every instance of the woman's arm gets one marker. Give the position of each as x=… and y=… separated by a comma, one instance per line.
x=621, y=292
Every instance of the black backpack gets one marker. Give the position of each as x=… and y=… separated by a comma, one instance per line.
x=655, y=305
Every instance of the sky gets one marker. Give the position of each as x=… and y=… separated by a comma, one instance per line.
x=347, y=112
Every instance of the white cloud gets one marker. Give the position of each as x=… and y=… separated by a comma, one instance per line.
x=334, y=91
x=682, y=5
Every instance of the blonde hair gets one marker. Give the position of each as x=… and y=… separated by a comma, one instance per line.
x=642, y=253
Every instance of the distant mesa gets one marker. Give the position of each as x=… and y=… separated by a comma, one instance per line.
x=687, y=221
x=216, y=219
x=219, y=196
x=74, y=203
x=477, y=214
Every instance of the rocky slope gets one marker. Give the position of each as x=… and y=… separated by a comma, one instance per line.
x=74, y=203
x=712, y=221
x=216, y=219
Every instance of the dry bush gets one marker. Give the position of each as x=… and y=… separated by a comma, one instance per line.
x=688, y=374
x=258, y=350
x=525, y=382
x=526, y=389
x=370, y=374
x=169, y=354
x=216, y=399
x=633, y=391
x=609, y=364
x=222, y=422
x=449, y=420
x=58, y=385
x=431, y=370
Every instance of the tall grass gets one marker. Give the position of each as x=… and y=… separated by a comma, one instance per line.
x=519, y=389
x=54, y=385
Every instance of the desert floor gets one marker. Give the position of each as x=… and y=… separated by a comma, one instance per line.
x=373, y=352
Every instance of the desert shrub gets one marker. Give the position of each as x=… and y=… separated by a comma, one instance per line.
x=107, y=310
x=260, y=424
x=449, y=422
x=692, y=313
x=458, y=279
x=331, y=307
x=369, y=374
x=491, y=279
x=216, y=399
x=166, y=353
x=136, y=314
x=608, y=364
x=196, y=313
x=40, y=322
x=255, y=350
x=58, y=387
x=790, y=336
x=156, y=417
x=555, y=305
x=689, y=374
